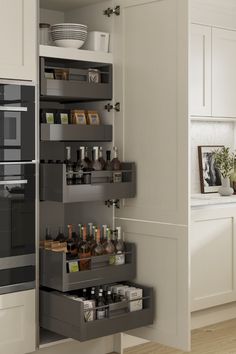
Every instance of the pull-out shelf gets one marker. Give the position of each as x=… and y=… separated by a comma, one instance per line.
x=73, y=132
x=53, y=186
x=65, y=316
x=53, y=270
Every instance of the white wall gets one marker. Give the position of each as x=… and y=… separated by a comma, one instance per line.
x=51, y=16
x=208, y=133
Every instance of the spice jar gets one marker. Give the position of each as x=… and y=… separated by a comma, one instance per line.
x=94, y=76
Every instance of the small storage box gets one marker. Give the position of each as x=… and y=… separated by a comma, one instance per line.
x=97, y=41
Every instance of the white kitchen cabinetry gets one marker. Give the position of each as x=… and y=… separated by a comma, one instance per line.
x=18, y=26
x=223, y=73
x=200, y=71
x=213, y=257
x=17, y=322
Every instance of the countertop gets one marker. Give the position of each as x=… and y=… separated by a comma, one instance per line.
x=198, y=200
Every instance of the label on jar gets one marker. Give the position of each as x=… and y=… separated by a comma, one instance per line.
x=119, y=258
x=73, y=267
x=112, y=260
x=101, y=314
x=117, y=177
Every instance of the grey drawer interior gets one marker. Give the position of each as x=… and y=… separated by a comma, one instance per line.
x=53, y=185
x=65, y=316
x=53, y=270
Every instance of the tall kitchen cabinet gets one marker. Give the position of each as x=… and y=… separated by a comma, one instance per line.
x=18, y=40
x=150, y=81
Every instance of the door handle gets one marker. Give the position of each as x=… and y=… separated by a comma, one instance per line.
x=22, y=181
x=13, y=109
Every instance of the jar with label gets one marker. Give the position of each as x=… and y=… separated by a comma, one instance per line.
x=44, y=33
x=94, y=76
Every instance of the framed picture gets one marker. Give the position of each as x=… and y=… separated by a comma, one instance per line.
x=210, y=178
x=93, y=118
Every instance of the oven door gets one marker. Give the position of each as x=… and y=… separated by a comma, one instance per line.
x=17, y=122
x=17, y=210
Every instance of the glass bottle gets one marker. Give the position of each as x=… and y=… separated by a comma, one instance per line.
x=96, y=164
x=100, y=157
x=116, y=167
x=60, y=236
x=110, y=248
x=119, y=248
x=108, y=301
x=69, y=167
x=78, y=171
x=92, y=295
x=71, y=245
x=108, y=165
x=85, y=164
x=84, y=251
x=48, y=235
x=99, y=249
x=101, y=311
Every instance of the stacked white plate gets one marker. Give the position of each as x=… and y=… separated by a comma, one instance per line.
x=69, y=35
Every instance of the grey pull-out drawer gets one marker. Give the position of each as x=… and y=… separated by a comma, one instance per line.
x=53, y=270
x=65, y=316
x=77, y=87
x=53, y=186
x=73, y=132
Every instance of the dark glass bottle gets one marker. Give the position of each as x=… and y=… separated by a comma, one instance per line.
x=85, y=165
x=69, y=167
x=84, y=251
x=60, y=236
x=48, y=235
x=99, y=249
x=101, y=311
x=78, y=171
x=108, y=164
x=96, y=164
x=71, y=245
x=116, y=167
x=100, y=157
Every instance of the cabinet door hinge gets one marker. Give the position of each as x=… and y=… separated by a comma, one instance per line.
x=116, y=11
x=116, y=107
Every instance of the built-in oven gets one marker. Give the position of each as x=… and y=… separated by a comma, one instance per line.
x=17, y=122
x=17, y=227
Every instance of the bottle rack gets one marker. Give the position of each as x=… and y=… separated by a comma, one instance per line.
x=76, y=87
x=53, y=270
x=65, y=316
x=53, y=186
x=73, y=132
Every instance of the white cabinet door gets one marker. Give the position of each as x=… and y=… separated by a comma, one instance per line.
x=223, y=73
x=200, y=71
x=18, y=26
x=213, y=256
x=17, y=322
x=151, y=82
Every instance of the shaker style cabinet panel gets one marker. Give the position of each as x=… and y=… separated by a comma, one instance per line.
x=17, y=322
x=18, y=26
x=200, y=71
x=213, y=256
x=223, y=73
x=151, y=82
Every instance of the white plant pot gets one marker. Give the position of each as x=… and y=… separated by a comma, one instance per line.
x=225, y=189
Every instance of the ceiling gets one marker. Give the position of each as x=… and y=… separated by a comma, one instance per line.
x=64, y=5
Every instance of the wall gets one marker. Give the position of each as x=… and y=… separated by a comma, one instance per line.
x=208, y=133
x=51, y=16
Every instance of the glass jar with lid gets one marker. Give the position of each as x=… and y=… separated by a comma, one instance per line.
x=44, y=33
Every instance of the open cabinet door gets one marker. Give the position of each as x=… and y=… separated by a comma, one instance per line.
x=151, y=83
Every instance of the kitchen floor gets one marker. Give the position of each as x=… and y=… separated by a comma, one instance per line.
x=215, y=339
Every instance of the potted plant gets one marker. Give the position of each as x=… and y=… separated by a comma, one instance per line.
x=224, y=161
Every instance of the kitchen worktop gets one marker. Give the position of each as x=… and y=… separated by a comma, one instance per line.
x=202, y=200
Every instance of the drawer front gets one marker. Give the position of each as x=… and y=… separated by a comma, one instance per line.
x=65, y=316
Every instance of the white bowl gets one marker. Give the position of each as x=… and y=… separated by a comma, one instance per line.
x=69, y=25
x=69, y=43
x=69, y=30
x=80, y=37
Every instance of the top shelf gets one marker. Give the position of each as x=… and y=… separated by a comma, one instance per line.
x=75, y=54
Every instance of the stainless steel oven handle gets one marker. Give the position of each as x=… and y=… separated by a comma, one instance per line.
x=22, y=181
x=13, y=109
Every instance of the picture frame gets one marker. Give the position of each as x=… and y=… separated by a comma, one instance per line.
x=210, y=177
x=93, y=118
